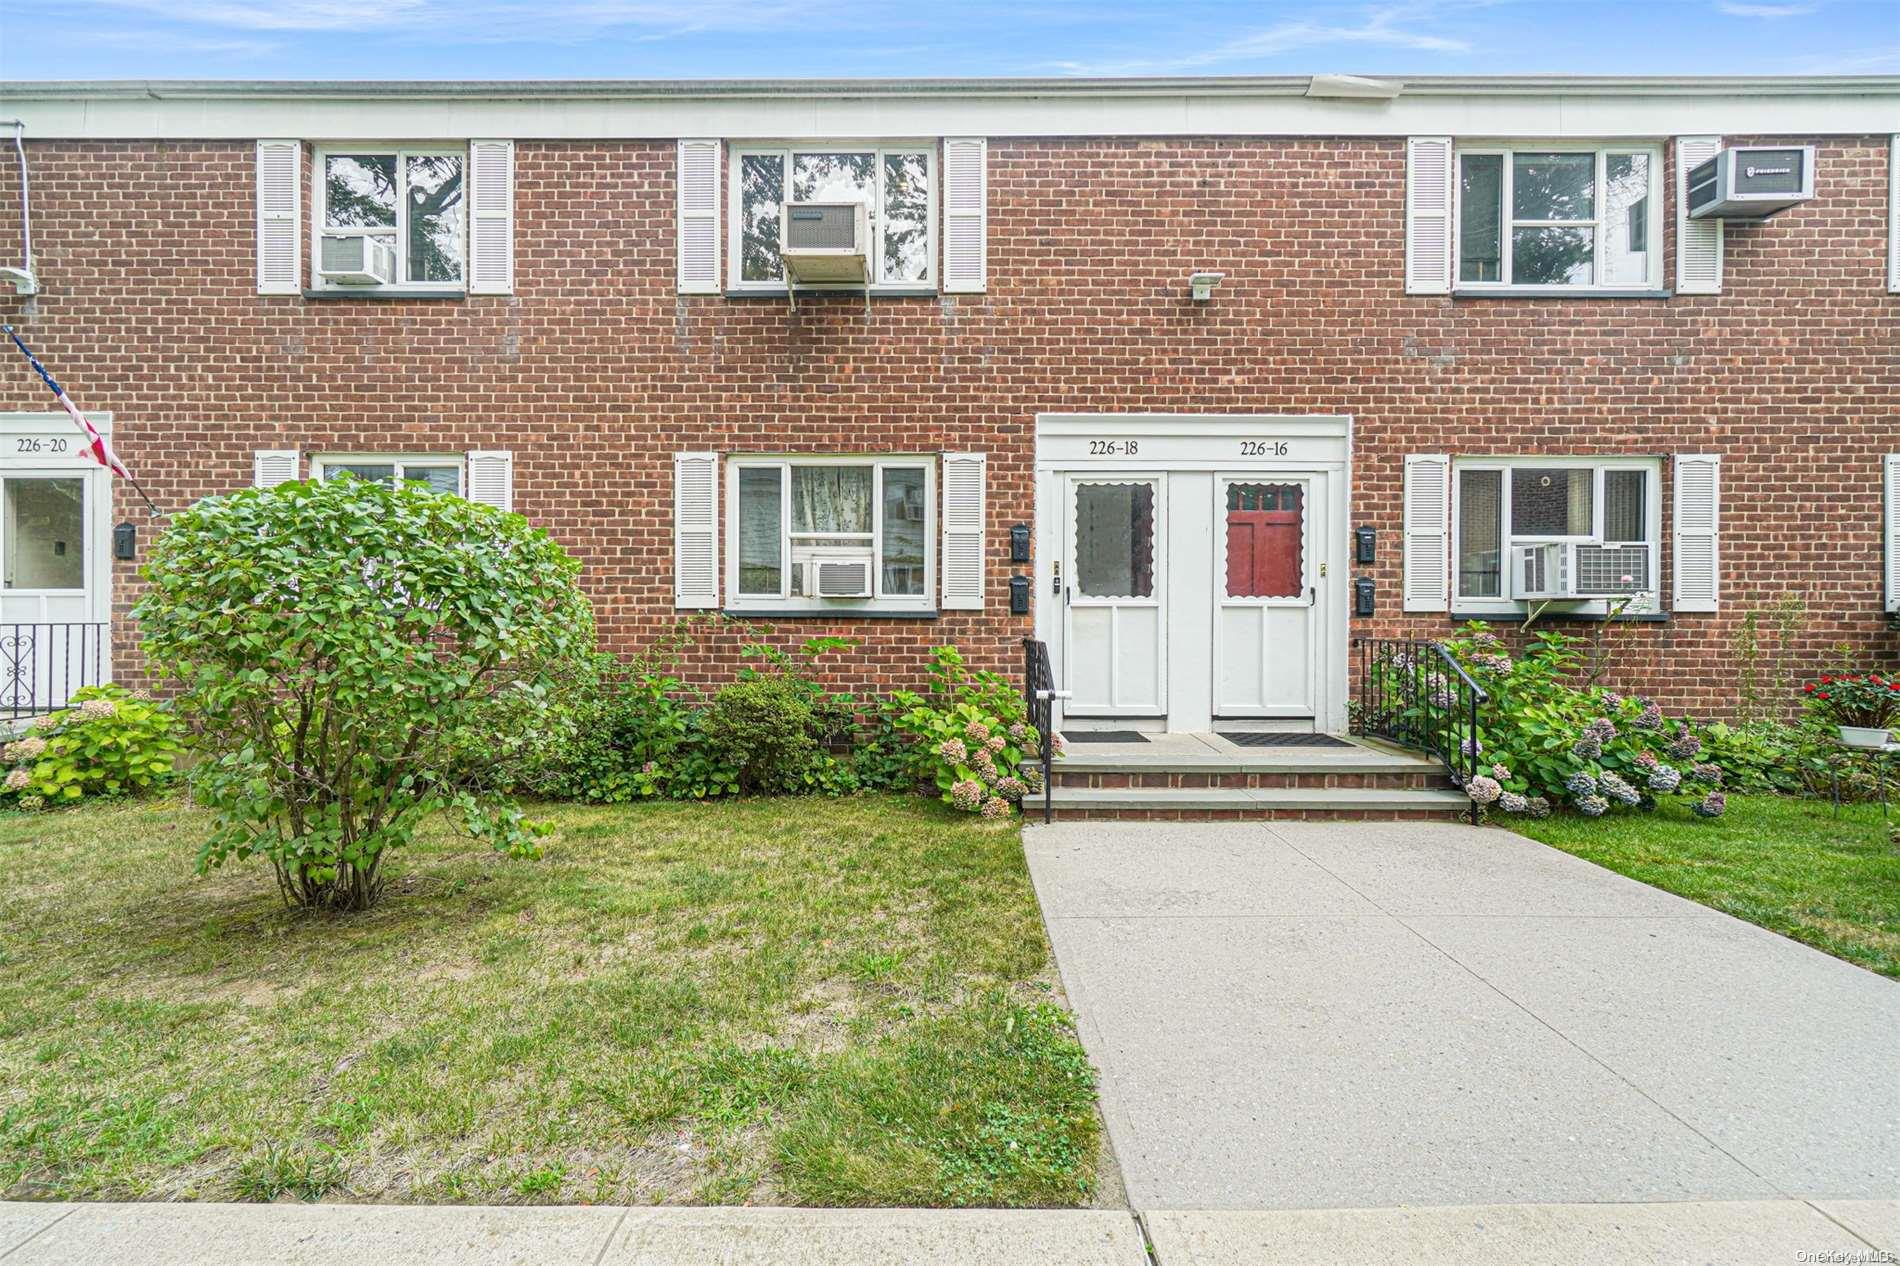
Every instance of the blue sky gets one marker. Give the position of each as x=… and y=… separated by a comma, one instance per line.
x=691, y=39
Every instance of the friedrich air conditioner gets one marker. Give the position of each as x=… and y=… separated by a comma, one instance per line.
x=839, y=573
x=1560, y=571
x=1750, y=182
x=356, y=261
x=825, y=242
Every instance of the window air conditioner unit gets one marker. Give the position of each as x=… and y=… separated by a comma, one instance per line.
x=1564, y=571
x=1751, y=182
x=356, y=261
x=825, y=242
x=840, y=573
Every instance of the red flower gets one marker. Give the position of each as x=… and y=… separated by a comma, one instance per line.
x=1825, y=680
x=1821, y=695
x=1809, y=687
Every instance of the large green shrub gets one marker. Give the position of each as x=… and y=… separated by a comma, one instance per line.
x=106, y=742
x=1545, y=740
x=970, y=736
x=779, y=727
x=351, y=658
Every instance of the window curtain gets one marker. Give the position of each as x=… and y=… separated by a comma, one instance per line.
x=831, y=499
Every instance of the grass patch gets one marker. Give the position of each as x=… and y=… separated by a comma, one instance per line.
x=1789, y=865
x=825, y=1002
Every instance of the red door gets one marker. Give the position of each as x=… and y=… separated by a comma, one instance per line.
x=1264, y=541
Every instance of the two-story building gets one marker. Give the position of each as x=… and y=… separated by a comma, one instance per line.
x=1193, y=380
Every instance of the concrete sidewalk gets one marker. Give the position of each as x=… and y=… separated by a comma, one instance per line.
x=1466, y=1235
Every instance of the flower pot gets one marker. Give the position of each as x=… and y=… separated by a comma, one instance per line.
x=1862, y=736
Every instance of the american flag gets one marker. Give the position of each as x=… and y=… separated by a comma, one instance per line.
x=96, y=444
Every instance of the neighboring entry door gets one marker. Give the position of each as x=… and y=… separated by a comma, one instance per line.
x=52, y=630
x=1114, y=610
x=1265, y=594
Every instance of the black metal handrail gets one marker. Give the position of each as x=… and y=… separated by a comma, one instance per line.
x=41, y=665
x=1416, y=694
x=1039, y=700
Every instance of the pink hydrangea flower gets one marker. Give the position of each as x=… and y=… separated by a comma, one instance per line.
x=995, y=807
x=967, y=795
x=953, y=751
x=19, y=780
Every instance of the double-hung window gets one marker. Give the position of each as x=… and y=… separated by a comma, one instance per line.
x=1544, y=525
x=823, y=532
x=1558, y=218
x=895, y=183
x=438, y=474
x=407, y=204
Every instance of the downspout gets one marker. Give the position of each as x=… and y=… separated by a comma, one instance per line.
x=23, y=283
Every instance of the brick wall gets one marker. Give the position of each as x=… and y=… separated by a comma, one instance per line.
x=595, y=372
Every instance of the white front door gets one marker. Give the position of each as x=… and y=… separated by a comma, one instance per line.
x=1268, y=557
x=53, y=635
x=1114, y=594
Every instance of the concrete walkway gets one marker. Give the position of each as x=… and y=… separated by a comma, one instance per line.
x=1370, y=1015
x=1468, y=1235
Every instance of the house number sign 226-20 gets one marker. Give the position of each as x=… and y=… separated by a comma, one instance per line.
x=1263, y=448
x=34, y=444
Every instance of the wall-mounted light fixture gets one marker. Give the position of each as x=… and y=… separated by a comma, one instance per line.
x=1201, y=285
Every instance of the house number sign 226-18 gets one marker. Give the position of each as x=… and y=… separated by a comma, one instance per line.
x=1263, y=448
x=1114, y=448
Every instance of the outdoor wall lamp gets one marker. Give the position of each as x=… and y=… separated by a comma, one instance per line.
x=1201, y=285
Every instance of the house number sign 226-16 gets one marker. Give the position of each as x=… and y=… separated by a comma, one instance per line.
x=1263, y=448
x=34, y=444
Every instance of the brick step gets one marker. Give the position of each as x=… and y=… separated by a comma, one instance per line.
x=1214, y=803
x=1419, y=777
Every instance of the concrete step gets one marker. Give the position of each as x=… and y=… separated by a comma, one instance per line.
x=1352, y=803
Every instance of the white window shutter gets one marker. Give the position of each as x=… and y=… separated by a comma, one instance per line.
x=273, y=466
x=1893, y=214
x=491, y=228
x=1890, y=533
x=1698, y=519
x=1428, y=204
x=966, y=194
x=491, y=478
x=961, y=559
x=699, y=218
x=279, y=260
x=1427, y=532
x=696, y=530
x=1698, y=242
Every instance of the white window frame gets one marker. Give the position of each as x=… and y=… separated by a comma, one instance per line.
x=735, y=203
x=402, y=152
x=1648, y=602
x=784, y=600
x=1509, y=150
x=320, y=465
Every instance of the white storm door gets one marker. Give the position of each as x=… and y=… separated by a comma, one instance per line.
x=52, y=632
x=1266, y=612
x=1114, y=598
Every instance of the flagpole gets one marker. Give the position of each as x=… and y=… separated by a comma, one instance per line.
x=100, y=450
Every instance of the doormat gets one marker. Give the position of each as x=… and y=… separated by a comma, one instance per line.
x=1275, y=738
x=1104, y=736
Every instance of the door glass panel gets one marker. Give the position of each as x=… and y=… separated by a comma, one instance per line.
x=44, y=527
x=1115, y=540
x=1266, y=539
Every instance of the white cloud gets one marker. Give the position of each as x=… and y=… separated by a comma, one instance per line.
x=554, y=21
x=1386, y=28
x=1735, y=9
x=175, y=42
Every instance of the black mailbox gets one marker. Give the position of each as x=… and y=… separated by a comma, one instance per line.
x=1364, y=545
x=1362, y=603
x=1019, y=595
x=1019, y=543
x=125, y=542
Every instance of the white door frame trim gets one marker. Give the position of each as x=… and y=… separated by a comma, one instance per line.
x=1210, y=444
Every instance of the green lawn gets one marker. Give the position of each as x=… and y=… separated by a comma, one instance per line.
x=1789, y=865
x=823, y=1002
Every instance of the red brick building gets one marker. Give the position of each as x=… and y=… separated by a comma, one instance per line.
x=1238, y=357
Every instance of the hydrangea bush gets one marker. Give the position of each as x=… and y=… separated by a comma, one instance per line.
x=108, y=741
x=970, y=736
x=1545, y=741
